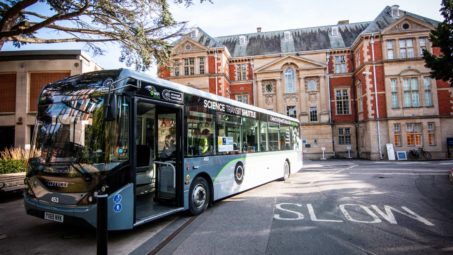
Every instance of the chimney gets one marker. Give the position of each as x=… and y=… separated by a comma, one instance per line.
x=258, y=29
x=343, y=22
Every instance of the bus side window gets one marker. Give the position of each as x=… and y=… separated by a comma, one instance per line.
x=200, y=135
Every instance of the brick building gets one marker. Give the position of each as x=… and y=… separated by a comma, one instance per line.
x=22, y=76
x=356, y=86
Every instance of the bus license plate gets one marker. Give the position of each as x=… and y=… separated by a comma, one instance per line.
x=53, y=217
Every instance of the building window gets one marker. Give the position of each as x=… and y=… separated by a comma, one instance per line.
x=201, y=64
x=431, y=133
x=394, y=89
x=241, y=72
x=287, y=35
x=291, y=111
x=428, y=93
x=422, y=43
x=242, y=40
x=176, y=67
x=335, y=31
x=406, y=48
x=344, y=136
x=414, y=134
x=311, y=85
x=340, y=64
x=189, y=66
x=359, y=96
x=342, y=101
x=313, y=113
x=390, y=50
x=411, y=93
x=397, y=134
x=289, y=80
x=244, y=98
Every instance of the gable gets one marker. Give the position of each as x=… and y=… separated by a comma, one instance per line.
x=408, y=25
x=299, y=62
x=188, y=45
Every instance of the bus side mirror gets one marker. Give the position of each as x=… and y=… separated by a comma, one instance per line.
x=110, y=110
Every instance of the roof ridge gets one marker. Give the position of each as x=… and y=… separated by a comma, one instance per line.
x=293, y=29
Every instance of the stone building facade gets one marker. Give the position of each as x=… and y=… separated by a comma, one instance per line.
x=355, y=87
x=22, y=76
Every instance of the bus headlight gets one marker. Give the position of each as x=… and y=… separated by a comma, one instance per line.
x=86, y=200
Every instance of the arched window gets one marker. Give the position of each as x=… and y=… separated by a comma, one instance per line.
x=289, y=80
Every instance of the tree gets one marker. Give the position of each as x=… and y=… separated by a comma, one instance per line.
x=143, y=28
x=442, y=37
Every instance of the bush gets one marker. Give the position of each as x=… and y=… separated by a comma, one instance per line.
x=14, y=160
x=12, y=166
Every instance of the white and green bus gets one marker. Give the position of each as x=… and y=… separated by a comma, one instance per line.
x=155, y=147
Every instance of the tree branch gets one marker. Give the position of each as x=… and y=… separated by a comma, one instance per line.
x=46, y=22
x=62, y=40
x=14, y=11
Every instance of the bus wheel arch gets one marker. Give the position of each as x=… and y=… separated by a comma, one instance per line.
x=200, y=194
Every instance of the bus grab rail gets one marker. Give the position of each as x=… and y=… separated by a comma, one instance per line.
x=169, y=163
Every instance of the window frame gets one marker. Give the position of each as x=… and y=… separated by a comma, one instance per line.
x=313, y=113
x=340, y=64
x=290, y=80
x=344, y=135
x=342, y=102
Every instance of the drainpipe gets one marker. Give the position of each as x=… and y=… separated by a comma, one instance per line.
x=376, y=96
x=329, y=104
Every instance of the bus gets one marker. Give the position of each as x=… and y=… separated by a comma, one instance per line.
x=153, y=146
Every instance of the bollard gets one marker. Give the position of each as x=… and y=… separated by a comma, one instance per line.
x=101, y=228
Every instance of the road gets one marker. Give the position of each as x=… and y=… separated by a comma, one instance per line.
x=330, y=207
x=333, y=207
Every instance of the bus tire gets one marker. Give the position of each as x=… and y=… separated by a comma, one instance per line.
x=198, y=196
x=286, y=170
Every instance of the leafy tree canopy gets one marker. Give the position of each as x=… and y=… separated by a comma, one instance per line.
x=442, y=37
x=143, y=28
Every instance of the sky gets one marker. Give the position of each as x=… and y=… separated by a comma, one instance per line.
x=231, y=17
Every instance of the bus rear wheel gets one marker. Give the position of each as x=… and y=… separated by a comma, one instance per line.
x=198, y=196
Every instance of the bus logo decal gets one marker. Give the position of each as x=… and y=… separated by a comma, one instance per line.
x=172, y=96
x=239, y=173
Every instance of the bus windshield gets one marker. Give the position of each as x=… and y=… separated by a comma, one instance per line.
x=72, y=136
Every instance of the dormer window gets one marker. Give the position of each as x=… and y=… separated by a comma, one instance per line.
x=242, y=40
x=395, y=12
x=194, y=33
x=334, y=31
x=287, y=35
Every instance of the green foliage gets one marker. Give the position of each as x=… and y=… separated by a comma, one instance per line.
x=143, y=28
x=442, y=37
x=12, y=166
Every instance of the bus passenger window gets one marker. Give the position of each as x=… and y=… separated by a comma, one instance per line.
x=200, y=135
x=249, y=135
x=273, y=137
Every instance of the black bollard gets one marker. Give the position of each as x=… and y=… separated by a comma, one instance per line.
x=101, y=230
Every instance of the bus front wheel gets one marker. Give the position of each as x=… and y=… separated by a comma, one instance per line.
x=198, y=196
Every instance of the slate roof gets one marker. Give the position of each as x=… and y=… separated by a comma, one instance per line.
x=384, y=19
x=302, y=39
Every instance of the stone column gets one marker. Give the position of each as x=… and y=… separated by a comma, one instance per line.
x=278, y=96
x=259, y=97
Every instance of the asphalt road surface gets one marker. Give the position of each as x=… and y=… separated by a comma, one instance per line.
x=333, y=207
x=330, y=207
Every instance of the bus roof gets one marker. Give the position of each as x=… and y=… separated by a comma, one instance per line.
x=186, y=89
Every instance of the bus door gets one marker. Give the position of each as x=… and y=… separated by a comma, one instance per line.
x=158, y=160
